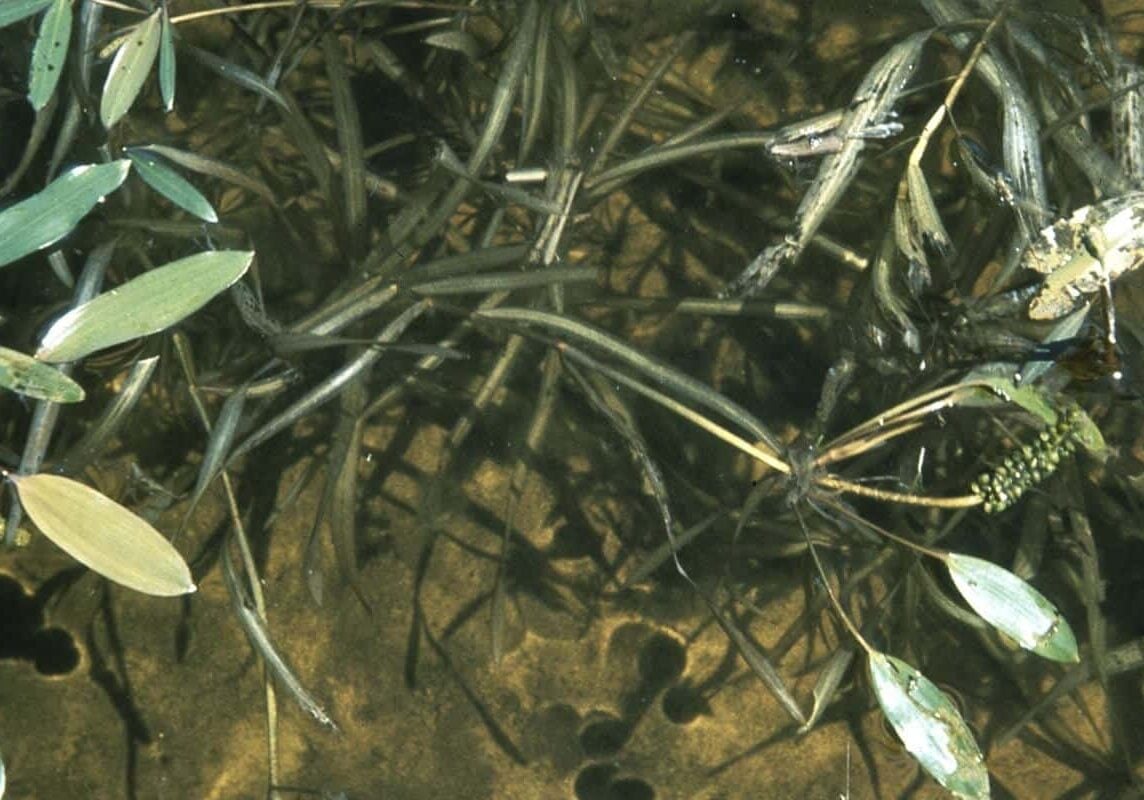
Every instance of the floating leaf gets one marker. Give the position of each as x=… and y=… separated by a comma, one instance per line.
x=103, y=535
x=167, y=61
x=929, y=726
x=147, y=304
x=49, y=53
x=1013, y=607
x=129, y=69
x=24, y=374
x=51, y=214
x=171, y=184
x=15, y=10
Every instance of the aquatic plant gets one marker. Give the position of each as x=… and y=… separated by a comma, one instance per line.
x=554, y=238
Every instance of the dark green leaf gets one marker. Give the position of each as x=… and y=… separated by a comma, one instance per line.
x=171, y=184
x=49, y=53
x=15, y=10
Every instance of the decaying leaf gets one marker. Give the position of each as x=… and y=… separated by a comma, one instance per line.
x=23, y=374
x=1095, y=243
x=929, y=726
x=1013, y=607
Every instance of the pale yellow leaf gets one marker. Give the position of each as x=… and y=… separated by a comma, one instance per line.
x=103, y=535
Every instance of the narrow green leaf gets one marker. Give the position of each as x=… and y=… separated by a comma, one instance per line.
x=16, y=10
x=1027, y=396
x=171, y=184
x=129, y=69
x=144, y=305
x=51, y=214
x=260, y=638
x=167, y=62
x=1088, y=435
x=239, y=76
x=49, y=53
x=218, y=447
x=24, y=374
x=929, y=726
x=457, y=41
x=215, y=169
x=98, y=532
x=1013, y=607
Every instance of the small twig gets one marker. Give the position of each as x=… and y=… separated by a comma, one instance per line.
x=946, y=106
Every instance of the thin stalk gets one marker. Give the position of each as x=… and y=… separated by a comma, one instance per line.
x=771, y=459
x=834, y=601
x=186, y=361
x=889, y=496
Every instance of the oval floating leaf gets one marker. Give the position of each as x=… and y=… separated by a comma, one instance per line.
x=129, y=69
x=51, y=214
x=1013, y=607
x=15, y=10
x=98, y=532
x=167, y=61
x=171, y=184
x=144, y=305
x=24, y=374
x=929, y=726
x=49, y=53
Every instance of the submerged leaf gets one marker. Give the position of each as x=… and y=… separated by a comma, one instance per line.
x=929, y=726
x=171, y=184
x=103, y=535
x=23, y=374
x=457, y=41
x=147, y=304
x=50, y=215
x=49, y=53
x=129, y=69
x=259, y=637
x=1087, y=434
x=1029, y=397
x=1013, y=607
